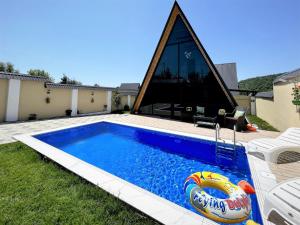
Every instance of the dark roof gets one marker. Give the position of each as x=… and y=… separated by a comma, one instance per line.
x=288, y=76
x=76, y=86
x=265, y=94
x=229, y=74
x=129, y=86
x=21, y=76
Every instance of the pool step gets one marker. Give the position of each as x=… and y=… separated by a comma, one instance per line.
x=225, y=148
x=225, y=152
x=224, y=157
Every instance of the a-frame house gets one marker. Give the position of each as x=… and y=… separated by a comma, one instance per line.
x=181, y=77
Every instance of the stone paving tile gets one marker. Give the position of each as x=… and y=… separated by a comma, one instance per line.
x=7, y=130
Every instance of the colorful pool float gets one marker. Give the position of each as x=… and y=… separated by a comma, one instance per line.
x=251, y=127
x=235, y=209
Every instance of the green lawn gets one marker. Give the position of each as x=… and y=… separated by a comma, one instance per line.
x=35, y=191
x=263, y=125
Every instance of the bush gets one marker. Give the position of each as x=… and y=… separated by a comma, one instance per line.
x=116, y=99
x=68, y=112
x=32, y=116
x=126, y=108
x=117, y=111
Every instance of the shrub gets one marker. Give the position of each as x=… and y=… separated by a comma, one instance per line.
x=68, y=112
x=126, y=108
x=116, y=99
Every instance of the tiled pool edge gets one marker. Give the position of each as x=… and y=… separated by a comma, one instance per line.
x=263, y=180
x=141, y=199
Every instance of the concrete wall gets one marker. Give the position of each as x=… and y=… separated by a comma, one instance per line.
x=280, y=112
x=20, y=98
x=244, y=101
x=132, y=99
x=33, y=96
x=3, y=97
x=124, y=101
x=85, y=104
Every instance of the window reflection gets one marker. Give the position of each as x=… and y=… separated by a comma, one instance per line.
x=182, y=80
x=167, y=68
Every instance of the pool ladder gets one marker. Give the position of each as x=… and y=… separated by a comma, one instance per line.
x=223, y=150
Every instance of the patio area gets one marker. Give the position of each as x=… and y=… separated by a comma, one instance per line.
x=8, y=130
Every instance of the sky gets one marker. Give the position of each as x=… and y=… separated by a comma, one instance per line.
x=112, y=41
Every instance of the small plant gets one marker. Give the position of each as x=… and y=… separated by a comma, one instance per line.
x=116, y=99
x=32, y=116
x=92, y=100
x=126, y=108
x=47, y=100
x=296, y=94
x=68, y=112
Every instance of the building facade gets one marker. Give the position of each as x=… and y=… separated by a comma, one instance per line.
x=181, y=76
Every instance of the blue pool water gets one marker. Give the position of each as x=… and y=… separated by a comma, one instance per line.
x=158, y=162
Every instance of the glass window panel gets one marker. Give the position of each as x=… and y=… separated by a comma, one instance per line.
x=182, y=81
x=167, y=68
x=179, y=33
x=193, y=67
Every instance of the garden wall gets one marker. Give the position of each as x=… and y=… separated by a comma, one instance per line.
x=124, y=101
x=91, y=100
x=3, y=97
x=132, y=100
x=22, y=95
x=280, y=112
x=33, y=96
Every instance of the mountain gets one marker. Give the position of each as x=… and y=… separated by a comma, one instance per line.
x=263, y=83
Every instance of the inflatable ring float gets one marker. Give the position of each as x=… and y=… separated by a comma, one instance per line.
x=251, y=127
x=235, y=209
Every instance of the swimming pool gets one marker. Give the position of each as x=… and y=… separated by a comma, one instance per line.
x=155, y=161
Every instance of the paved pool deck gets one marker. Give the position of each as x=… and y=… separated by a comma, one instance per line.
x=8, y=130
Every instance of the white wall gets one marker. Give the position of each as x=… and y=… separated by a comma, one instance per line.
x=74, y=102
x=13, y=95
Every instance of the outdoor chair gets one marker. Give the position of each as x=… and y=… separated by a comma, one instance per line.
x=282, y=205
x=284, y=148
x=237, y=118
x=201, y=119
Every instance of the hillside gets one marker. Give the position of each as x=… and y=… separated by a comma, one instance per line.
x=263, y=83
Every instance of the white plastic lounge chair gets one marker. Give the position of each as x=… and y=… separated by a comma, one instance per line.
x=271, y=148
x=282, y=203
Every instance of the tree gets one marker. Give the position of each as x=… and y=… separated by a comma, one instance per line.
x=262, y=83
x=116, y=99
x=2, y=67
x=10, y=67
x=40, y=73
x=96, y=85
x=66, y=80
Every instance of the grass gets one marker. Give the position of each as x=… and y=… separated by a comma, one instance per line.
x=35, y=191
x=263, y=125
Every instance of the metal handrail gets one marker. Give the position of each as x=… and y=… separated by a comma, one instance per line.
x=217, y=132
x=234, y=140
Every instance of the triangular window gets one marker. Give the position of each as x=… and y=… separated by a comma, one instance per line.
x=182, y=80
